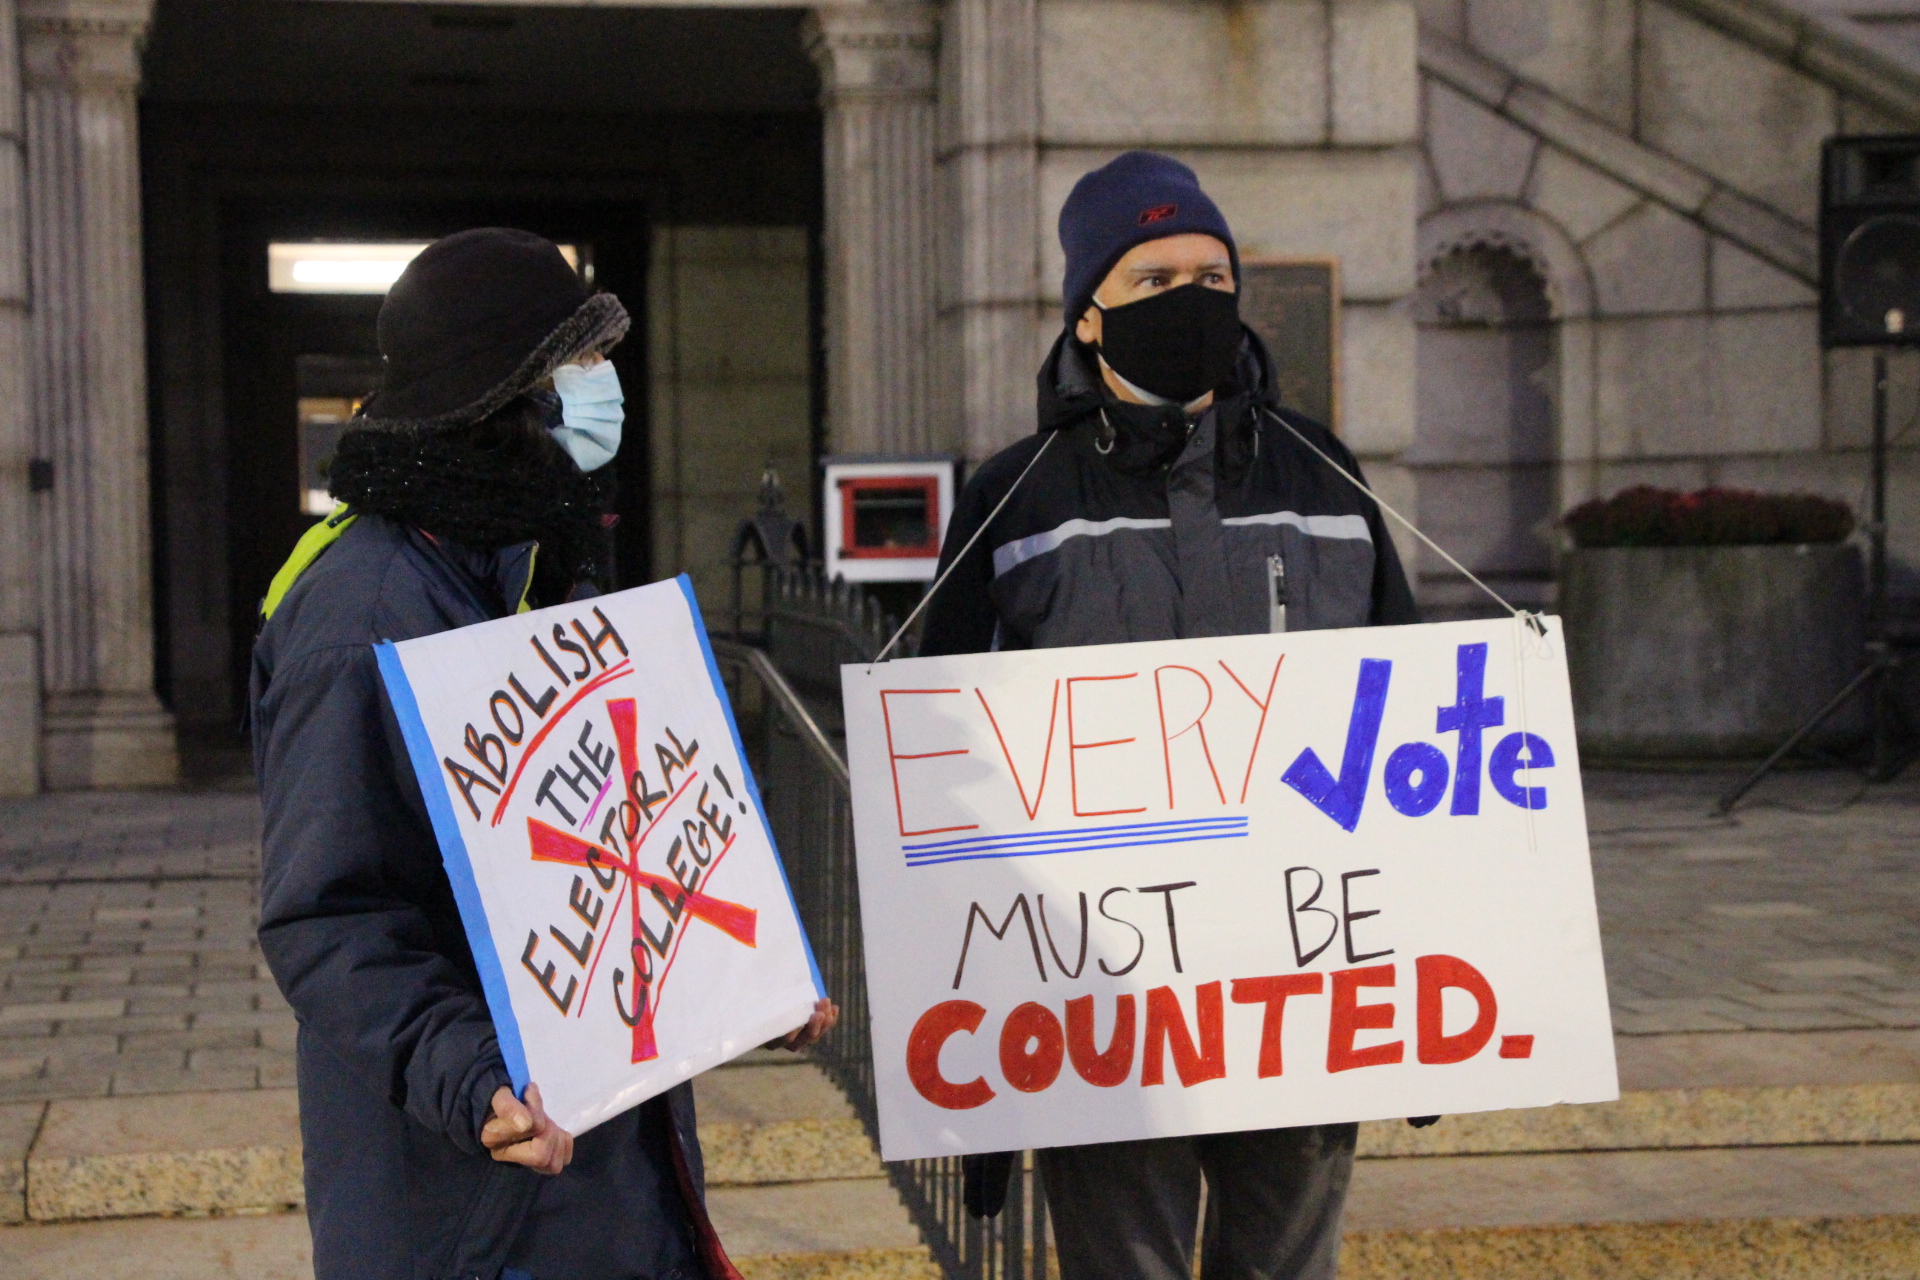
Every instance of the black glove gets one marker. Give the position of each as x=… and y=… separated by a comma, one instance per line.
x=1421, y=1122
x=986, y=1182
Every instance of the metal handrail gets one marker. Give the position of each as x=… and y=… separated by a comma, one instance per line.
x=796, y=711
x=809, y=803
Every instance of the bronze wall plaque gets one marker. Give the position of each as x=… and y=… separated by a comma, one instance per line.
x=1294, y=305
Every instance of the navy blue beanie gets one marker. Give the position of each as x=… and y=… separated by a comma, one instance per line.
x=1132, y=199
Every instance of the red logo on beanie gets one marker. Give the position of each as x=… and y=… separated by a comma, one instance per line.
x=1158, y=213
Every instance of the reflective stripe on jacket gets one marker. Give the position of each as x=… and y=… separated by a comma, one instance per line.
x=1110, y=539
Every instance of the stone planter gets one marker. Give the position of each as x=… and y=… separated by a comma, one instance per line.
x=1709, y=652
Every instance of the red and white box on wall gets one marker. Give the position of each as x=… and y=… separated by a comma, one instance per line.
x=884, y=517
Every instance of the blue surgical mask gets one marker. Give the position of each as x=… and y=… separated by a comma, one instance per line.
x=590, y=413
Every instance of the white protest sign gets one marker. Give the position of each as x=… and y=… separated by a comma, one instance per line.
x=1196, y=886
x=627, y=910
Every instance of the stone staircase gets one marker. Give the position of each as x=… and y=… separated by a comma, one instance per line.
x=795, y=1188
x=207, y=1185
x=1743, y=1154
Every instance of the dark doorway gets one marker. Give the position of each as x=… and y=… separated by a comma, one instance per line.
x=293, y=120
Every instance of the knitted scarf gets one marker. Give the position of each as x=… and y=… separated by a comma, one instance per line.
x=501, y=481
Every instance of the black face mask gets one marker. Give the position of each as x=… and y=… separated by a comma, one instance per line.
x=1179, y=344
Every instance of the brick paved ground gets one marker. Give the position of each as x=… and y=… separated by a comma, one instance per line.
x=1800, y=912
x=128, y=963
x=127, y=948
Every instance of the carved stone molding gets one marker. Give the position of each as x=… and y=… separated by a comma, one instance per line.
x=877, y=97
x=94, y=45
x=86, y=379
x=19, y=600
x=1514, y=229
x=129, y=17
x=992, y=318
x=882, y=49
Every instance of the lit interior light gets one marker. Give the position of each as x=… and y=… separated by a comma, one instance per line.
x=337, y=267
x=354, y=272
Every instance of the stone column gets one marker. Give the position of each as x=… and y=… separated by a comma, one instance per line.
x=877, y=73
x=87, y=394
x=19, y=607
x=991, y=315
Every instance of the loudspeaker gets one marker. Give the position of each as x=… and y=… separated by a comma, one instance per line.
x=1870, y=241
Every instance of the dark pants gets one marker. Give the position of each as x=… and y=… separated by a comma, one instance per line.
x=1127, y=1210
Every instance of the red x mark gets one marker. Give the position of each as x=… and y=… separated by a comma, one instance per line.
x=551, y=844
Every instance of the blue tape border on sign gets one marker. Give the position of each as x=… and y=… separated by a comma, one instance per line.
x=459, y=864
x=753, y=786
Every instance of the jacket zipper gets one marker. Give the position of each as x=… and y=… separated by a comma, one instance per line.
x=1276, y=594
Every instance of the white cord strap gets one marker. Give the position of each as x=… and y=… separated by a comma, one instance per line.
x=1531, y=619
x=939, y=582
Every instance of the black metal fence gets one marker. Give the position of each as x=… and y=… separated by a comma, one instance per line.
x=788, y=696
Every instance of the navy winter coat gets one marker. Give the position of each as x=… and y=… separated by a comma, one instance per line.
x=397, y=1058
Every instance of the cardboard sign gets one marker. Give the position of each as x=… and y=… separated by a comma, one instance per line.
x=1196, y=886
x=606, y=843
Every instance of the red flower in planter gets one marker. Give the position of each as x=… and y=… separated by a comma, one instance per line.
x=1644, y=516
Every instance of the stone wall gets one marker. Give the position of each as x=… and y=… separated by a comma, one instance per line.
x=19, y=605
x=1661, y=173
x=86, y=388
x=730, y=388
x=1299, y=116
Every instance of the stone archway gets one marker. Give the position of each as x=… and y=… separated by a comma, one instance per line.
x=1505, y=356
x=1485, y=440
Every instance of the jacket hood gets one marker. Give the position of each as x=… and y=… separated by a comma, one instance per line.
x=1070, y=387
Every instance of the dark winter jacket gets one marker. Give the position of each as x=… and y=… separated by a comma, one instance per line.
x=1133, y=528
x=397, y=1058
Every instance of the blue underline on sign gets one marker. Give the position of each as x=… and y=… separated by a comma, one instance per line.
x=1076, y=840
x=1077, y=833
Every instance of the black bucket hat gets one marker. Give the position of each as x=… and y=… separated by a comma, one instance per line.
x=478, y=318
